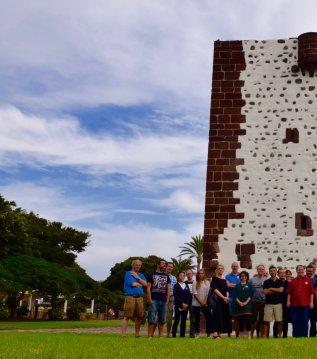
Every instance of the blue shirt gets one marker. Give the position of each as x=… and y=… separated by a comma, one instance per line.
x=172, y=284
x=234, y=279
x=129, y=280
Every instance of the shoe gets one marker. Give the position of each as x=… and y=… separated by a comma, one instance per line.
x=197, y=335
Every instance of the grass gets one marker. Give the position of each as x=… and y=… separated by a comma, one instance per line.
x=66, y=345
x=40, y=324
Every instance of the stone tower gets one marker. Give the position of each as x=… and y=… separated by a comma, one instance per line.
x=261, y=187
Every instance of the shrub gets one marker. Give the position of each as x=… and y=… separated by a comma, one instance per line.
x=4, y=312
x=22, y=311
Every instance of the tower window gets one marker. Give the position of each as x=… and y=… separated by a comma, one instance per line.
x=303, y=224
x=291, y=135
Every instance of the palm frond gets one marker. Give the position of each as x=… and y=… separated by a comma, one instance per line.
x=193, y=249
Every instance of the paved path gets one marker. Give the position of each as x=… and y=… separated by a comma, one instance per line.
x=102, y=330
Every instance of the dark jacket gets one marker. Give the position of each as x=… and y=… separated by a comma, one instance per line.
x=182, y=296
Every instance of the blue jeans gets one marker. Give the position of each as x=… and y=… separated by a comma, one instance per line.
x=300, y=318
x=157, y=312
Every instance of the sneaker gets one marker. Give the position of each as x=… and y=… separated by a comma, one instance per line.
x=197, y=335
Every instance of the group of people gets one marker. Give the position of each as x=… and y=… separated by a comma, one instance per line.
x=234, y=302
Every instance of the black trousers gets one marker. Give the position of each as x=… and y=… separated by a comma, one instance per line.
x=313, y=321
x=179, y=316
x=207, y=314
x=245, y=322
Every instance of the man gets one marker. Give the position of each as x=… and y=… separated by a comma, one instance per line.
x=310, y=272
x=134, y=282
x=232, y=280
x=190, y=282
x=170, y=305
x=273, y=310
x=284, y=275
x=258, y=301
x=314, y=265
x=300, y=299
x=158, y=292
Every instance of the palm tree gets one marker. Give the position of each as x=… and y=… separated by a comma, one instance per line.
x=194, y=249
x=181, y=265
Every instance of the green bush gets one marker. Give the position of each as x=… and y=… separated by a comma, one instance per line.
x=22, y=311
x=73, y=313
x=56, y=314
x=4, y=312
x=75, y=307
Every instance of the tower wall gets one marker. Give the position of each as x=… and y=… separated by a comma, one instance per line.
x=261, y=191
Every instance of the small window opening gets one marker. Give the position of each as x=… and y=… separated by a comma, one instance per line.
x=291, y=135
x=303, y=224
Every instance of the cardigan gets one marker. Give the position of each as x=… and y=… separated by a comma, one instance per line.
x=182, y=296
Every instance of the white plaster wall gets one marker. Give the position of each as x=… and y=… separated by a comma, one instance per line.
x=277, y=180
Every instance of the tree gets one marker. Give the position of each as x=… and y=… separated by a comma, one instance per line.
x=28, y=234
x=181, y=265
x=54, y=242
x=13, y=234
x=106, y=299
x=24, y=273
x=36, y=254
x=194, y=249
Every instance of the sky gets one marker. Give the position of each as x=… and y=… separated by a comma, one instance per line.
x=104, y=112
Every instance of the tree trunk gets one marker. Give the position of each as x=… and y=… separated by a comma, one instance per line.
x=12, y=303
x=198, y=264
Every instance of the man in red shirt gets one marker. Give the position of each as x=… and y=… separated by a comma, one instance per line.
x=300, y=299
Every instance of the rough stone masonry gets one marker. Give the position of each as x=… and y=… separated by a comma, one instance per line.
x=261, y=187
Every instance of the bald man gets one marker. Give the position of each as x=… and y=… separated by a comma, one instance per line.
x=134, y=282
x=232, y=280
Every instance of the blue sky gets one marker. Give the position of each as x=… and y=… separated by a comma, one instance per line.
x=104, y=111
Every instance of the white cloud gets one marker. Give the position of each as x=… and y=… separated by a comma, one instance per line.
x=184, y=201
x=113, y=244
x=51, y=202
x=78, y=53
x=136, y=211
x=26, y=139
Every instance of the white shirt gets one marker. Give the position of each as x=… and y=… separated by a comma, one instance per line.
x=183, y=285
x=201, y=292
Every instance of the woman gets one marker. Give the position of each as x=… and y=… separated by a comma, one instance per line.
x=182, y=300
x=243, y=293
x=200, y=296
x=220, y=317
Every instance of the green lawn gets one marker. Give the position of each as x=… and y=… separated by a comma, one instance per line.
x=66, y=345
x=40, y=324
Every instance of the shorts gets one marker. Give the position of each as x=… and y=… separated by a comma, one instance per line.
x=157, y=312
x=133, y=307
x=273, y=312
x=258, y=312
